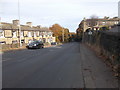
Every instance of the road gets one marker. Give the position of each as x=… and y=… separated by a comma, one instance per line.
x=66, y=66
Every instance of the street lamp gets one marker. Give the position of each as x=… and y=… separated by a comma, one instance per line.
x=83, y=30
x=19, y=24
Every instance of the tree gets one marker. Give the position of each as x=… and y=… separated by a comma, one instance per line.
x=66, y=34
x=58, y=32
x=73, y=36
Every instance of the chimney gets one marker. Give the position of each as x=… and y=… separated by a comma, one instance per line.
x=29, y=24
x=39, y=26
x=16, y=22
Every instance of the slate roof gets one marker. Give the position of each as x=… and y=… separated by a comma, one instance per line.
x=104, y=19
x=10, y=26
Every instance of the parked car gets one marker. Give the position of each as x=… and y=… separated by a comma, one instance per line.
x=54, y=43
x=35, y=45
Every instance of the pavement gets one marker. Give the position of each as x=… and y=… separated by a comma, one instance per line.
x=20, y=48
x=70, y=65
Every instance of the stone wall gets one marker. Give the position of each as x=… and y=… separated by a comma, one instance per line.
x=5, y=47
x=107, y=45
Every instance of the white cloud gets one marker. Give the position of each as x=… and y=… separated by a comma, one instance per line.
x=65, y=12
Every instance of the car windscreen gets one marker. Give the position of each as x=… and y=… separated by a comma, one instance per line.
x=33, y=42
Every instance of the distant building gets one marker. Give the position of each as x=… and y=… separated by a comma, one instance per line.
x=96, y=24
x=115, y=29
x=9, y=33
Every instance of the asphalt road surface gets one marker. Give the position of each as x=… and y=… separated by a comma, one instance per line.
x=66, y=66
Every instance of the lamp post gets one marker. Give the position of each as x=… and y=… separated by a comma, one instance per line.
x=20, y=44
x=83, y=30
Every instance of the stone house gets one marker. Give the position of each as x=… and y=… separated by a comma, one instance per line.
x=96, y=24
x=10, y=33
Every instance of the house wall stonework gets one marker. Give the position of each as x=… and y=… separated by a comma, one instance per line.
x=12, y=34
x=96, y=24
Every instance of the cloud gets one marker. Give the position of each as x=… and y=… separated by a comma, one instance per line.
x=68, y=13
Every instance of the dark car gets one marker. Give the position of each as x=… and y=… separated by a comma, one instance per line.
x=54, y=43
x=35, y=45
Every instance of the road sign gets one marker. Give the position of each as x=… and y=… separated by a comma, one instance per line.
x=90, y=32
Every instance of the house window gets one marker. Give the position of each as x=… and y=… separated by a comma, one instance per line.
x=22, y=34
x=96, y=23
x=89, y=24
x=37, y=33
x=8, y=33
x=22, y=41
x=14, y=33
x=29, y=34
x=1, y=33
x=34, y=34
x=44, y=40
x=116, y=22
x=3, y=42
x=40, y=39
x=103, y=23
x=15, y=41
x=40, y=34
x=50, y=34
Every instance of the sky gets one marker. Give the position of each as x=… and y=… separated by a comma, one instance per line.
x=67, y=13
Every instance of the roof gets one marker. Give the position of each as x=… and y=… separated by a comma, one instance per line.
x=10, y=26
x=104, y=19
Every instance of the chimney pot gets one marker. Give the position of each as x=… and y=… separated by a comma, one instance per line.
x=29, y=24
x=16, y=22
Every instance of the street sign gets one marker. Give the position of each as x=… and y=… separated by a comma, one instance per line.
x=90, y=33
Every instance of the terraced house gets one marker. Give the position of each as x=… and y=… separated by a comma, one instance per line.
x=11, y=34
x=97, y=23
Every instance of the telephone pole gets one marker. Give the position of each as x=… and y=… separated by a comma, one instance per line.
x=63, y=35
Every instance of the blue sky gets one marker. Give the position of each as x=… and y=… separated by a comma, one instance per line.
x=67, y=13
